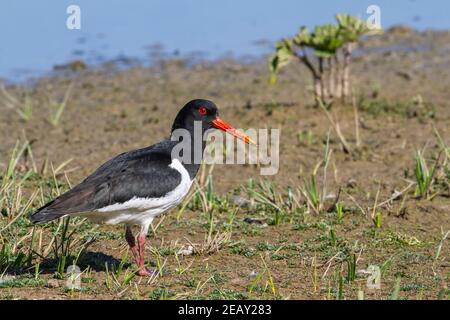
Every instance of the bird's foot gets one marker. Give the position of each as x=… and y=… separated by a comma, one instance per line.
x=146, y=272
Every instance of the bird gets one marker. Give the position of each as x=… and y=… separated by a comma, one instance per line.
x=137, y=186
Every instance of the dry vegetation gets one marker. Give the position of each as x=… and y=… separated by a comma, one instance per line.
x=361, y=184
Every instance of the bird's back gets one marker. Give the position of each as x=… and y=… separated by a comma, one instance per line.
x=143, y=174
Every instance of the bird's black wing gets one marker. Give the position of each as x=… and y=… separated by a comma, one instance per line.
x=140, y=173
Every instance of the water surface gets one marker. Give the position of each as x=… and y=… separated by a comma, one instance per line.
x=35, y=38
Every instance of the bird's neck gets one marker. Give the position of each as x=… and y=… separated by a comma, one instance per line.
x=189, y=148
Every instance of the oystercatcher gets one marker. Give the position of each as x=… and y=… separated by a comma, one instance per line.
x=136, y=186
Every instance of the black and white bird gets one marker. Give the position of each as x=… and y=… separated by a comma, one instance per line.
x=137, y=186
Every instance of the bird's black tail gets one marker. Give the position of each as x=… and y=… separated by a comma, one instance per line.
x=71, y=202
x=44, y=214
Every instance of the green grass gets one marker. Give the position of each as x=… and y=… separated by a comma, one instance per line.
x=20, y=249
x=161, y=293
x=21, y=282
x=327, y=244
x=58, y=107
x=225, y=294
x=23, y=107
x=414, y=108
x=424, y=175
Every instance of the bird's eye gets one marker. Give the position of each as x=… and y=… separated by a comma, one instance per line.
x=202, y=111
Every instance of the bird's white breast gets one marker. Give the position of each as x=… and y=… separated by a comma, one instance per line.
x=141, y=211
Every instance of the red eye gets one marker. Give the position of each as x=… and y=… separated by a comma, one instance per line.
x=202, y=110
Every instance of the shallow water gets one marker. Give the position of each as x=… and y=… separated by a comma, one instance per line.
x=35, y=37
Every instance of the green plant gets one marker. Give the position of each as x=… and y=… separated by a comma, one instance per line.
x=351, y=267
x=330, y=72
x=396, y=289
x=352, y=29
x=161, y=293
x=23, y=247
x=306, y=137
x=226, y=294
x=23, y=108
x=339, y=211
x=26, y=111
x=312, y=193
x=267, y=199
x=269, y=283
x=424, y=176
x=376, y=219
x=315, y=198
x=338, y=279
x=21, y=281
x=332, y=237
x=59, y=107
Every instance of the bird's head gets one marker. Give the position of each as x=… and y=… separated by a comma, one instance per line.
x=207, y=113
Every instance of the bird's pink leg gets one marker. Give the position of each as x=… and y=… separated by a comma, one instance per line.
x=142, y=271
x=132, y=243
x=138, y=250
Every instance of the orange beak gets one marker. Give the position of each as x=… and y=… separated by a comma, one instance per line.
x=224, y=126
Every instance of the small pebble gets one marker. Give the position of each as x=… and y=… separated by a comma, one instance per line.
x=396, y=195
x=351, y=183
x=241, y=201
x=260, y=222
x=53, y=283
x=186, y=252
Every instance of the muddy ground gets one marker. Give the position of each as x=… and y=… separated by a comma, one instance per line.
x=110, y=111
